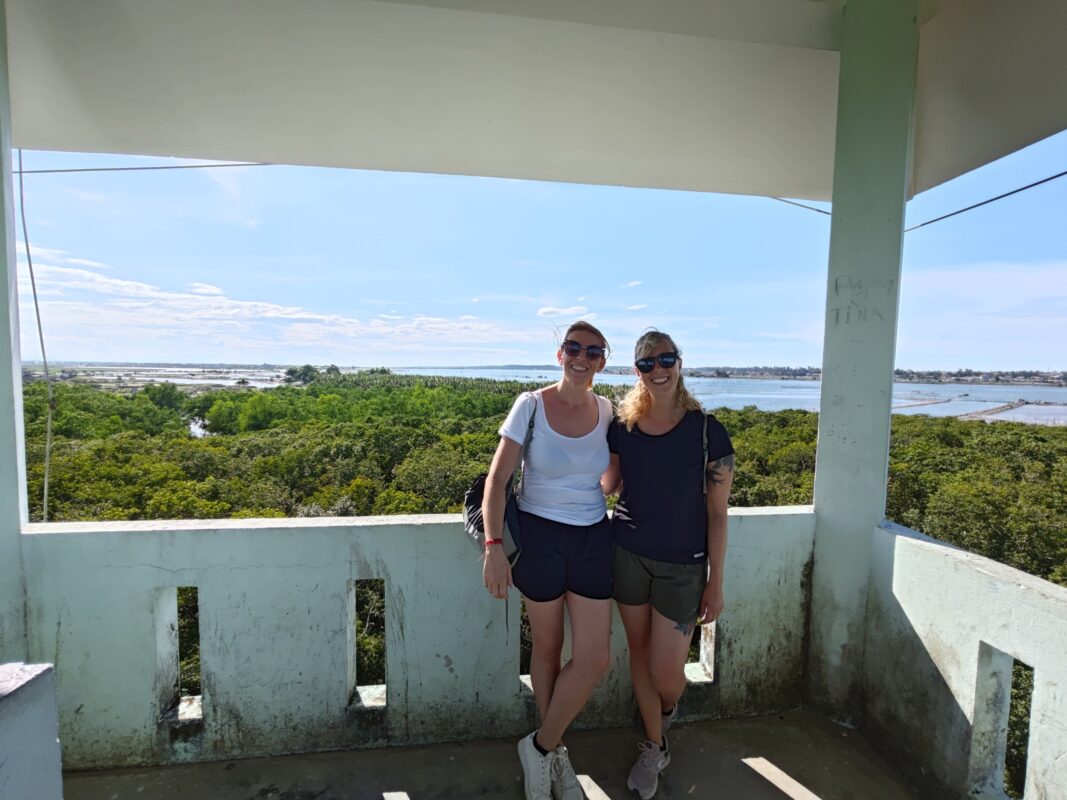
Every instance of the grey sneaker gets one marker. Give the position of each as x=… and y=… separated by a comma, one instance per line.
x=565, y=784
x=644, y=777
x=537, y=769
x=666, y=720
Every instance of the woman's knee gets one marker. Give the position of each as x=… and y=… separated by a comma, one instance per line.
x=593, y=662
x=668, y=678
x=547, y=648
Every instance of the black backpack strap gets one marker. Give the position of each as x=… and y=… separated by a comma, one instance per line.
x=522, y=488
x=526, y=444
x=704, y=483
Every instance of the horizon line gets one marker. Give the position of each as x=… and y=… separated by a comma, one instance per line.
x=55, y=363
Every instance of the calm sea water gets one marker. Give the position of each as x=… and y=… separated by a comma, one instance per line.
x=935, y=399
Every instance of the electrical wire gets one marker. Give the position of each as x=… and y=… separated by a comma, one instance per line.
x=144, y=168
x=943, y=216
x=801, y=205
x=986, y=202
x=44, y=357
x=22, y=172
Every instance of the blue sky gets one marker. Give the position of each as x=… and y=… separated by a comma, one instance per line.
x=291, y=265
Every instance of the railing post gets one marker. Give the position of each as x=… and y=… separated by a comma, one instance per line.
x=12, y=459
x=871, y=168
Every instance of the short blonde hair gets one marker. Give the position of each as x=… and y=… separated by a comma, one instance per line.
x=638, y=401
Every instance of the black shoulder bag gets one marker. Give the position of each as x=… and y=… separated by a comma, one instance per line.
x=473, y=522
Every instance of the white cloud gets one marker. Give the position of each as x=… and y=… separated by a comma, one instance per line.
x=637, y=307
x=227, y=178
x=580, y=299
x=102, y=316
x=553, y=311
x=631, y=284
x=467, y=318
x=204, y=288
x=54, y=256
x=84, y=262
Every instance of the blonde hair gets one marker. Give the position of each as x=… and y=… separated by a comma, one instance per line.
x=638, y=401
x=588, y=327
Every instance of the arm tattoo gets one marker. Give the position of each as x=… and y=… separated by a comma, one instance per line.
x=716, y=469
x=685, y=628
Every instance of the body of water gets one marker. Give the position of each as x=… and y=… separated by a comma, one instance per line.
x=934, y=399
x=1043, y=405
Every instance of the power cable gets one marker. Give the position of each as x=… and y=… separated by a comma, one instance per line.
x=801, y=205
x=986, y=202
x=144, y=168
x=22, y=172
x=44, y=358
x=943, y=216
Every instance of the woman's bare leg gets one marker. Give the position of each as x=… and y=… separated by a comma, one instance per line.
x=669, y=646
x=637, y=620
x=546, y=629
x=590, y=654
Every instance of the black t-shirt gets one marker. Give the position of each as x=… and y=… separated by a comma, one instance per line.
x=662, y=513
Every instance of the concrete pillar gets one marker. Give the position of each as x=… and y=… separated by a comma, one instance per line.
x=12, y=458
x=871, y=168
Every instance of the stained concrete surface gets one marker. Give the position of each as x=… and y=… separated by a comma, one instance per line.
x=806, y=756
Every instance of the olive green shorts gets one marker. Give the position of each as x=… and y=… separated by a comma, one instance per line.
x=674, y=590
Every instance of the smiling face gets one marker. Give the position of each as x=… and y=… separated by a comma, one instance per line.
x=661, y=382
x=580, y=369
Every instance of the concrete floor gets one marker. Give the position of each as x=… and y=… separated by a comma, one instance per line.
x=795, y=756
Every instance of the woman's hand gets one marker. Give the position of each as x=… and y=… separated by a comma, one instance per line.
x=496, y=572
x=711, y=603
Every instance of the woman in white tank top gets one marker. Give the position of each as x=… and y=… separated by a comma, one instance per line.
x=566, y=548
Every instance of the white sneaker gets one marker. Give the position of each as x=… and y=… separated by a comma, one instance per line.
x=644, y=777
x=537, y=769
x=565, y=784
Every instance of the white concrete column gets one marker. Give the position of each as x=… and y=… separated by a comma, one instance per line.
x=871, y=167
x=12, y=457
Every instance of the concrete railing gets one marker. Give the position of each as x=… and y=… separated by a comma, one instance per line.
x=943, y=630
x=29, y=747
x=277, y=635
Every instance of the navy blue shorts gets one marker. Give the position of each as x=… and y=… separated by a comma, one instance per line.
x=558, y=558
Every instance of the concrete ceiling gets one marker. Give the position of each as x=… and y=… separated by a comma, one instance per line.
x=713, y=95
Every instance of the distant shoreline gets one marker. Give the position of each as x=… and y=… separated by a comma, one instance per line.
x=802, y=374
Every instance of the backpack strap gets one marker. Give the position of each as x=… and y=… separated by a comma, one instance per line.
x=522, y=491
x=526, y=445
x=704, y=483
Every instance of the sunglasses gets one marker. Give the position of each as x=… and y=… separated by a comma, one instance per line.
x=574, y=349
x=666, y=360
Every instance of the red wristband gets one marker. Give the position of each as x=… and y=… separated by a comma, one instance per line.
x=493, y=541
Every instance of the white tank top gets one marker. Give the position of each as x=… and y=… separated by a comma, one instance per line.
x=561, y=474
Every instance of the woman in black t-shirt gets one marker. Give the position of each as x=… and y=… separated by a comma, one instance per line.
x=676, y=466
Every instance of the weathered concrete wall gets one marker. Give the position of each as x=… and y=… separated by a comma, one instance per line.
x=943, y=627
x=29, y=748
x=276, y=622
